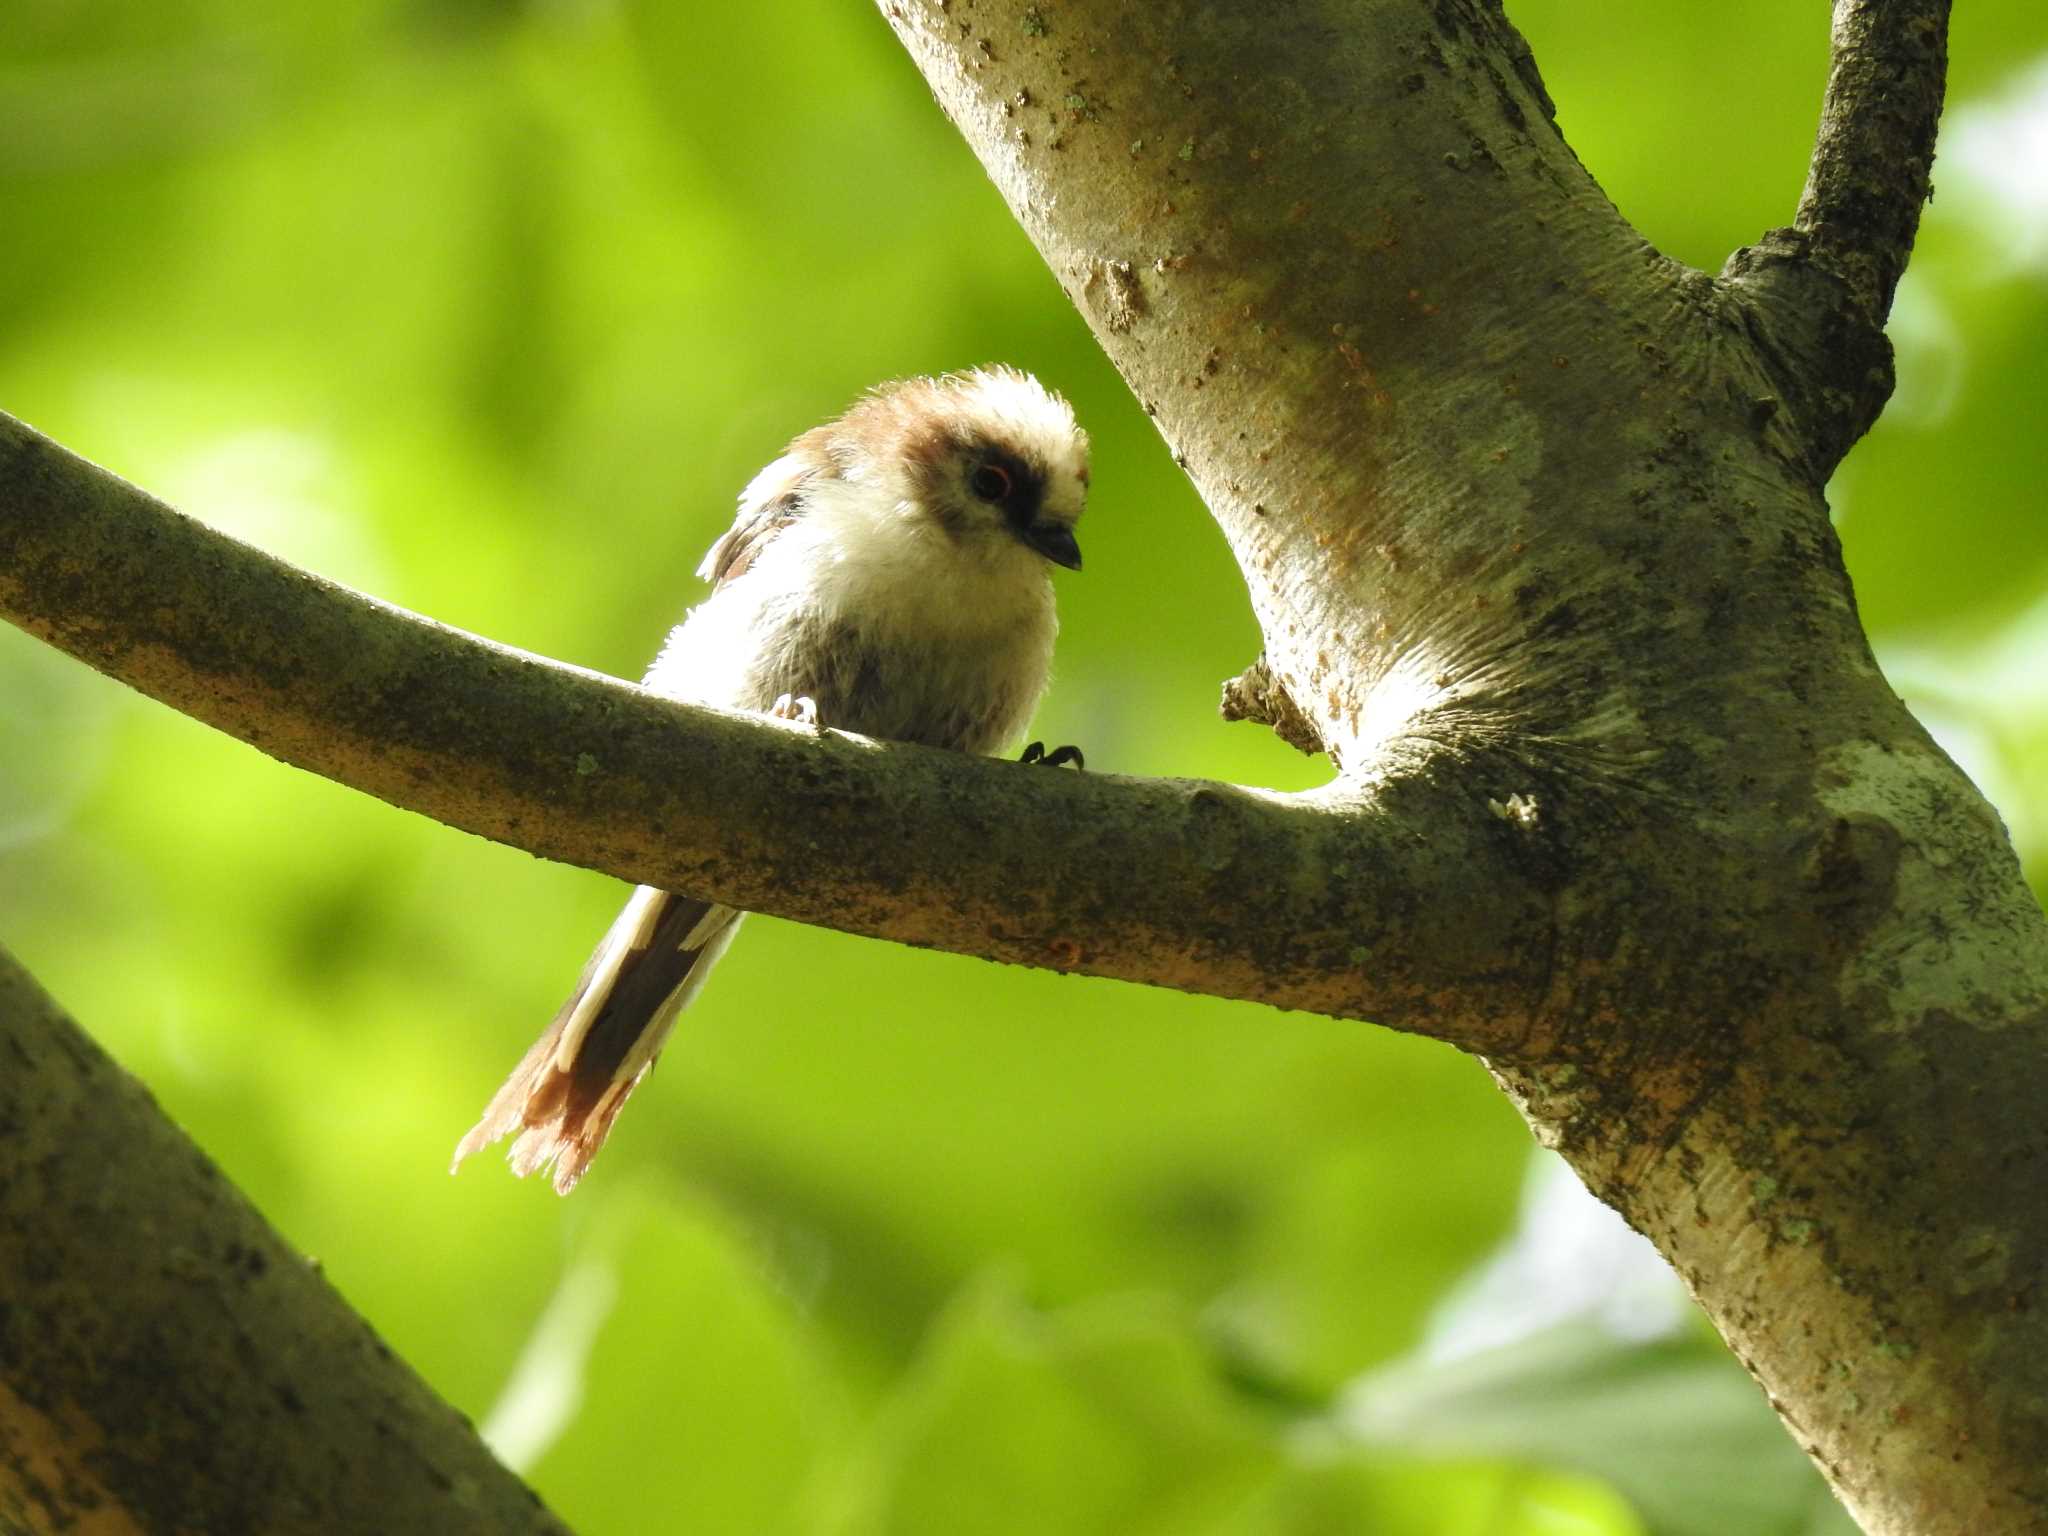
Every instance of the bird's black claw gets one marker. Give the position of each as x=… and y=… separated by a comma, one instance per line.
x=1058, y=757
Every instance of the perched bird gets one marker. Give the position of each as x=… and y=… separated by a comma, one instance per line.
x=888, y=574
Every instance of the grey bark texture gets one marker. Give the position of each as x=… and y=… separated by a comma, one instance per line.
x=1532, y=519
x=167, y=1362
x=1529, y=510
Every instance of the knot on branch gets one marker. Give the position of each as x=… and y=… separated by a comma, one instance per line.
x=1823, y=348
x=1113, y=294
x=1257, y=695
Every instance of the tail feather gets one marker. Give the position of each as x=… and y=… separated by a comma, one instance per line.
x=563, y=1096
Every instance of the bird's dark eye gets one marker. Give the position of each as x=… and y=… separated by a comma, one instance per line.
x=991, y=482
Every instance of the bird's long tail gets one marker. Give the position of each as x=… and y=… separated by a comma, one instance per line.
x=562, y=1098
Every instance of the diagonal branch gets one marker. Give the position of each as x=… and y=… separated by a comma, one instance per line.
x=1301, y=901
x=1818, y=293
x=160, y=1341
x=1873, y=157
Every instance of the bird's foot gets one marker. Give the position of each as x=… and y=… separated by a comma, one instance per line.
x=798, y=707
x=1058, y=757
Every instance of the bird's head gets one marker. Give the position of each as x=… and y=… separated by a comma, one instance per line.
x=991, y=458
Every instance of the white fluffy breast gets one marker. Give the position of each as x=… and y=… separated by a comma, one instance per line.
x=894, y=624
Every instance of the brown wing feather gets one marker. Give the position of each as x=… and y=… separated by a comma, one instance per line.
x=771, y=502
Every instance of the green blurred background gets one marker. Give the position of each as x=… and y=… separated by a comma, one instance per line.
x=490, y=309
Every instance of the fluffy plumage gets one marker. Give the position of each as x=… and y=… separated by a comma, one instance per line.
x=891, y=568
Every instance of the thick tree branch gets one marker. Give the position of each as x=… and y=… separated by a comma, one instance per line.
x=1146, y=880
x=158, y=1340
x=1504, y=481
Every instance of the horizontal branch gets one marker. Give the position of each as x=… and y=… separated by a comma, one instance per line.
x=1405, y=903
x=167, y=1361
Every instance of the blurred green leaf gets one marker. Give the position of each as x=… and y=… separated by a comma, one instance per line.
x=1108, y=1417
x=1674, y=1424
x=1103, y=1420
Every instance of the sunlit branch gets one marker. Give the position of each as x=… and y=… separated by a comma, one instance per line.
x=1300, y=901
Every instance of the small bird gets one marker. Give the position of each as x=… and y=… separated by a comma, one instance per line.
x=888, y=574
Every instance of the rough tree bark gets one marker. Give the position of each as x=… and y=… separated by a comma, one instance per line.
x=167, y=1362
x=1532, y=520
x=1532, y=514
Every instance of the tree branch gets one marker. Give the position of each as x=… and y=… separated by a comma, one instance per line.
x=1076, y=872
x=1817, y=295
x=158, y=1340
x=1873, y=157
x=1504, y=481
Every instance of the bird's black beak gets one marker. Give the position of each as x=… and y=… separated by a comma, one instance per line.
x=1055, y=541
